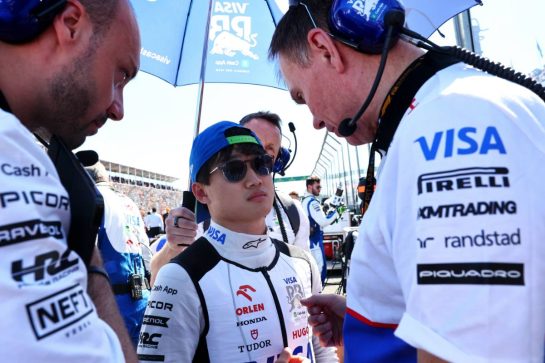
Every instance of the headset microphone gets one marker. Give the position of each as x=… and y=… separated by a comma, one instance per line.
x=394, y=20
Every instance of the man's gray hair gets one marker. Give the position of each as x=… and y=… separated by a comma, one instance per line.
x=98, y=172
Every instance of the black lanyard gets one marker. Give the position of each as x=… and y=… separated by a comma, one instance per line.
x=396, y=103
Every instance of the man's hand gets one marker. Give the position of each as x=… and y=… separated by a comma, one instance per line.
x=326, y=317
x=181, y=230
x=287, y=357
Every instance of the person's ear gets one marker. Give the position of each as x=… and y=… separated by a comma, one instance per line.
x=72, y=23
x=323, y=48
x=199, y=191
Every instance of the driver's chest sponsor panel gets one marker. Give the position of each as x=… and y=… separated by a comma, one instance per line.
x=474, y=273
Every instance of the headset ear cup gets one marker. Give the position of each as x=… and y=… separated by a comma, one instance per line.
x=23, y=20
x=362, y=24
x=281, y=161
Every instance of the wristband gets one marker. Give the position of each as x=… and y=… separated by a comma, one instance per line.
x=92, y=269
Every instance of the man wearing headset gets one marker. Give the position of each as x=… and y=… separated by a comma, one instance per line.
x=448, y=261
x=286, y=221
x=63, y=67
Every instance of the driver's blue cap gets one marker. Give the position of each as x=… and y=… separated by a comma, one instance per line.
x=208, y=143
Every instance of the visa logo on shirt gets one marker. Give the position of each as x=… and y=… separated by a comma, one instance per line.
x=216, y=234
x=465, y=141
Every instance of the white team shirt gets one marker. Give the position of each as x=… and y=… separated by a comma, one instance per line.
x=46, y=312
x=453, y=238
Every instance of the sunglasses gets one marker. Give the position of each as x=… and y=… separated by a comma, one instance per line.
x=235, y=170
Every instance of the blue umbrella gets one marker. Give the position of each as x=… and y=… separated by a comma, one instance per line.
x=226, y=41
x=190, y=41
x=214, y=41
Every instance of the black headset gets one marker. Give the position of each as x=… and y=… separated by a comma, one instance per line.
x=376, y=28
x=23, y=20
x=283, y=159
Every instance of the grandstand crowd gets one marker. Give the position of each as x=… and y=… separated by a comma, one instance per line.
x=148, y=197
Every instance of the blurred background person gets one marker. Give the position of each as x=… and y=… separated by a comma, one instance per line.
x=124, y=246
x=318, y=219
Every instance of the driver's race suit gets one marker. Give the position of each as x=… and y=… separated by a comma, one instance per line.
x=232, y=297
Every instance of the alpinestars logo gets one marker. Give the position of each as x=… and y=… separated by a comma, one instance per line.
x=476, y=273
x=253, y=244
x=243, y=290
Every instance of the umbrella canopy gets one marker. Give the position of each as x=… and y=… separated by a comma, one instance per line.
x=426, y=16
x=190, y=41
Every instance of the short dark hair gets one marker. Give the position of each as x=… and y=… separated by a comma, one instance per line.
x=101, y=13
x=312, y=180
x=272, y=118
x=203, y=176
x=290, y=35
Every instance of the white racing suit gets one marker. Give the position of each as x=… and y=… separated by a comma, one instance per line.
x=232, y=297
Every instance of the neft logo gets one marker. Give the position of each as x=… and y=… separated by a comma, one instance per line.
x=469, y=209
x=29, y=231
x=155, y=320
x=478, y=273
x=47, y=265
x=58, y=311
x=468, y=178
x=465, y=142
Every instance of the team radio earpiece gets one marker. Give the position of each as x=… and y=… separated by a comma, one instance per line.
x=282, y=162
x=23, y=20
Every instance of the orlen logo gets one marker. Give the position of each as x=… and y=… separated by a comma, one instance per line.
x=466, y=141
x=250, y=309
x=216, y=234
x=243, y=290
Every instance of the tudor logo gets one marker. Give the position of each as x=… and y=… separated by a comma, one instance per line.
x=243, y=290
x=254, y=333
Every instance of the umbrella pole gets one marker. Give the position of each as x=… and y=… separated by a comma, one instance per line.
x=200, y=95
x=203, y=71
